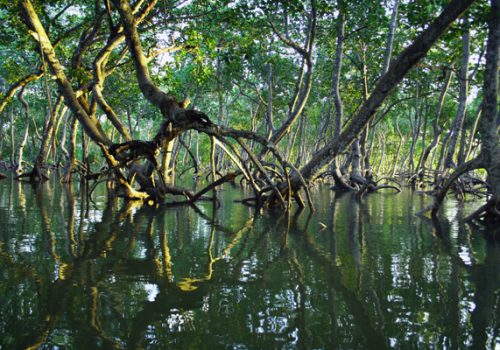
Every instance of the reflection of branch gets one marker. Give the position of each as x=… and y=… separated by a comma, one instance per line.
x=356, y=307
x=187, y=284
x=167, y=260
x=95, y=325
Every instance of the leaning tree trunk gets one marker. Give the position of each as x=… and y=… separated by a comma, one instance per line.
x=397, y=71
x=82, y=111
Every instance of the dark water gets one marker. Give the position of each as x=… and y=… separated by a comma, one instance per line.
x=89, y=275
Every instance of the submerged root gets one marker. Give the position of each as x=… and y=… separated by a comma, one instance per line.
x=488, y=214
x=34, y=176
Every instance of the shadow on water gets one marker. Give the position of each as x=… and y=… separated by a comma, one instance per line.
x=354, y=274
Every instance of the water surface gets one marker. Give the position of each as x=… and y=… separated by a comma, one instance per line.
x=355, y=274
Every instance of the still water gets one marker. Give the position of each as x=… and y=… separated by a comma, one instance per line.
x=78, y=274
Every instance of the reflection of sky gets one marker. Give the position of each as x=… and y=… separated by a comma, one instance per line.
x=151, y=290
x=255, y=297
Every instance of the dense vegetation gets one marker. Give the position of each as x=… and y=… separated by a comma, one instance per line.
x=367, y=95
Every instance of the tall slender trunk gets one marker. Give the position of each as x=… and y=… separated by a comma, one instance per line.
x=337, y=67
x=337, y=99
x=436, y=128
x=490, y=147
x=401, y=141
x=365, y=157
x=473, y=131
x=300, y=142
x=397, y=71
x=463, y=78
x=415, y=134
x=12, y=144
x=304, y=82
x=22, y=144
x=390, y=37
x=424, y=136
x=48, y=133
x=463, y=142
x=71, y=159
x=269, y=116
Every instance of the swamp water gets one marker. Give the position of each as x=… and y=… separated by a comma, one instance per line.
x=79, y=274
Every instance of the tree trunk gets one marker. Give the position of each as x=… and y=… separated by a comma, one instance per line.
x=70, y=161
x=436, y=128
x=48, y=134
x=415, y=134
x=269, y=116
x=82, y=112
x=304, y=83
x=473, y=131
x=397, y=71
x=400, y=144
x=19, y=167
x=490, y=151
x=337, y=67
x=463, y=78
x=390, y=37
x=12, y=144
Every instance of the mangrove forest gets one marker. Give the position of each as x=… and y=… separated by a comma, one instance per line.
x=261, y=174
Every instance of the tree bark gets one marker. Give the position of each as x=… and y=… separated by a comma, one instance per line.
x=88, y=121
x=390, y=37
x=12, y=144
x=48, y=133
x=22, y=144
x=397, y=70
x=490, y=151
x=463, y=78
x=337, y=67
x=304, y=83
x=436, y=128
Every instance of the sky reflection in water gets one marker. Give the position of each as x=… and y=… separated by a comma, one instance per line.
x=87, y=275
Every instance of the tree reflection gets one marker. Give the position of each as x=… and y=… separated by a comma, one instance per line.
x=108, y=275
